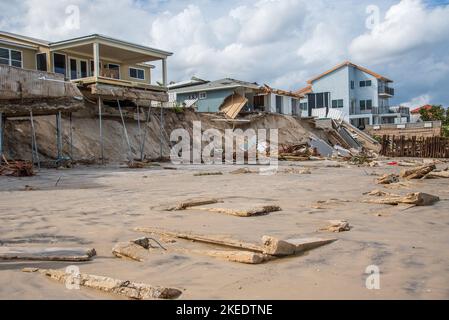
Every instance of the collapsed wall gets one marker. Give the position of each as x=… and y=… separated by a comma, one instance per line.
x=86, y=137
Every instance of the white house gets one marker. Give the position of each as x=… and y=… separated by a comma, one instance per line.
x=357, y=94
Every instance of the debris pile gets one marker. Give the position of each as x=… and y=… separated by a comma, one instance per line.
x=17, y=168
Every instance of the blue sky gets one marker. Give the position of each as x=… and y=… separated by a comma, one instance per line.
x=279, y=42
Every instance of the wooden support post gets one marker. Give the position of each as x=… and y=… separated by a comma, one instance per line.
x=71, y=136
x=59, y=135
x=34, y=149
x=101, y=129
x=142, y=145
x=162, y=128
x=130, y=152
x=2, y=125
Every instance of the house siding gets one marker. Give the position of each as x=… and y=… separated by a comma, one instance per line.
x=211, y=104
x=28, y=56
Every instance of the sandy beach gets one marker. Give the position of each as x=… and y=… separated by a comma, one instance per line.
x=98, y=207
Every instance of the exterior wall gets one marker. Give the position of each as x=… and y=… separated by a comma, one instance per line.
x=287, y=105
x=409, y=130
x=213, y=101
x=337, y=83
x=363, y=93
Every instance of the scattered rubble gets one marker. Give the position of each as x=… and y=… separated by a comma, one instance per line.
x=250, y=212
x=17, y=168
x=243, y=171
x=337, y=226
x=419, y=172
x=388, y=179
x=132, y=290
x=416, y=198
x=327, y=204
x=46, y=254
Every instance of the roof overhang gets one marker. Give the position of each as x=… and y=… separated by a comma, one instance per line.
x=18, y=45
x=111, y=48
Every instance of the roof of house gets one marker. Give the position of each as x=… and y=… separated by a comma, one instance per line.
x=349, y=63
x=84, y=38
x=226, y=83
x=425, y=107
x=304, y=91
x=25, y=38
x=187, y=83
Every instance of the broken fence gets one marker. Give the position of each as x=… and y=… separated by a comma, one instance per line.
x=419, y=147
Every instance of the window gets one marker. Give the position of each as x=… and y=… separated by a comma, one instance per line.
x=366, y=105
x=11, y=57
x=352, y=84
x=113, y=71
x=366, y=83
x=337, y=103
x=41, y=62
x=192, y=96
x=59, y=63
x=203, y=95
x=303, y=106
x=279, y=104
x=137, y=73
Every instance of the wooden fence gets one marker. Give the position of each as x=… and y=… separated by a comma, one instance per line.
x=421, y=147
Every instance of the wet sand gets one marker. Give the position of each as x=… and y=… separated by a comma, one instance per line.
x=98, y=207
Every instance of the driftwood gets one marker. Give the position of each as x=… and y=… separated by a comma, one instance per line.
x=337, y=226
x=46, y=254
x=388, y=179
x=257, y=211
x=16, y=168
x=419, y=172
x=417, y=199
x=437, y=174
x=132, y=290
x=240, y=256
x=243, y=171
x=193, y=203
x=201, y=174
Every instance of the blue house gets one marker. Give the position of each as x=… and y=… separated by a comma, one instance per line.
x=360, y=95
x=212, y=96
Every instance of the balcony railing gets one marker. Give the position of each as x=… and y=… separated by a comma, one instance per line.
x=384, y=90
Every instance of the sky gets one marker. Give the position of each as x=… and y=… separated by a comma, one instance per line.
x=282, y=43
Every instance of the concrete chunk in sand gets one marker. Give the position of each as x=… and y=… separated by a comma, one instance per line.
x=46, y=254
x=417, y=199
x=132, y=290
x=250, y=212
x=419, y=172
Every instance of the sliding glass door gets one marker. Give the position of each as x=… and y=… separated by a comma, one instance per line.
x=78, y=68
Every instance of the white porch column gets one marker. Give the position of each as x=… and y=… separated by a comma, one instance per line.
x=96, y=59
x=164, y=72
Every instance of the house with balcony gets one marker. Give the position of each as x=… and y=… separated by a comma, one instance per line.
x=97, y=64
x=357, y=94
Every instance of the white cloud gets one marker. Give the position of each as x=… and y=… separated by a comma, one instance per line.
x=418, y=101
x=279, y=42
x=408, y=26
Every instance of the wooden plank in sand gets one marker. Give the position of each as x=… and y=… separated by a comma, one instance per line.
x=46, y=254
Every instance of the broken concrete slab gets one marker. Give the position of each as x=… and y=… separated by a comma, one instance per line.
x=337, y=226
x=437, y=175
x=46, y=254
x=276, y=247
x=193, y=203
x=132, y=290
x=131, y=251
x=417, y=199
x=250, y=212
x=419, y=172
x=304, y=244
x=388, y=179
